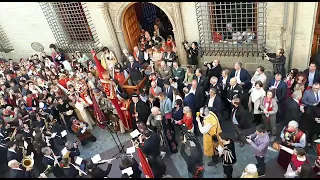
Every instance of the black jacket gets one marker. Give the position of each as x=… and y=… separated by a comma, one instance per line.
x=192, y=162
x=316, y=78
x=241, y=117
x=151, y=146
x=99, y=173
x=203, y=82
x=14, y=173
x=71, y=172
x=216, y=71
x=237, y=91
x=135, y=168
x=156, y=103
x=17, y=156
x=199, y=98
x=293, y=110
x=278, y=63
x=229, y=156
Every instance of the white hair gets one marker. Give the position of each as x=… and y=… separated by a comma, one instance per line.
x=251, y=168
x=293, y=123
x=12, y=162
x=154, y=110
x=131, y=58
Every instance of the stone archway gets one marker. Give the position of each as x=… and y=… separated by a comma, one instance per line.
x=171, y=9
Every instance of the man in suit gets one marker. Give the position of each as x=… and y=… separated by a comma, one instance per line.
x=151, y=144
x=312, y=75
x=279, y=87
x=49, y=160
x=294, y=109
x=13, y=153
x=233, y=90
x=188, y=100
x=134, y=70
x=239, y=120
x=199, y=100
x=214, y=84
x=164, y=71
x=213, y=69
x=138, y=55
x=214, y=103
x=242, y=76
x=311, y=97
x=96, y=172
x=178, y=73
x=17, y=172
x=201, y=80
x=167, y=89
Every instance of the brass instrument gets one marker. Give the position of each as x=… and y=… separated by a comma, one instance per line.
x=45, y=173
x=28, y=161
x=13, y=134
x=78, y=168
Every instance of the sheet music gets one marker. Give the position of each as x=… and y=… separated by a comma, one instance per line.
x=290, y=151
x=63, y=133
x=129, y=171
x=95, y=159
x=135, y=133
x=78, y=160
x=131, y=150
x=53, y=135
x=83, y=130
x=64, y=151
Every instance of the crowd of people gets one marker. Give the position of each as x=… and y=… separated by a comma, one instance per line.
x=46, y=98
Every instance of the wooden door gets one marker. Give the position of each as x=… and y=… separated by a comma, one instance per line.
x=131, y=28
x=316, y=35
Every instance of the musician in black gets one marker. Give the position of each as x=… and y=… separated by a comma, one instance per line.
x=17, y=172
x=96, y=172
x=68, y=112
x=49, y=159
x=13, y=152
x=233, y=90
x=69, y=170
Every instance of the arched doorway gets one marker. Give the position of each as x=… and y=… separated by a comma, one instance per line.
x=143, y=15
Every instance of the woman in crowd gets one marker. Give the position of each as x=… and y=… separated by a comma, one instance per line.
x=156, y=58
x=153, y=101
x=290, y=79
x=269, y=108
x=255, y=98
x=189, y=76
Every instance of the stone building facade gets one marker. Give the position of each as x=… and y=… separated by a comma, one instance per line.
x=288, y=24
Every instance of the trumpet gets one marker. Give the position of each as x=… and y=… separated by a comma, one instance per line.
x=45, y=173
x=13, y=134
x=78, y=168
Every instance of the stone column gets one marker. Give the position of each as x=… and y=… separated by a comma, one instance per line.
x=179, y=34
x=111, y=30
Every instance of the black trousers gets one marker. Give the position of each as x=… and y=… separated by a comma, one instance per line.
x=227, y=170
x=261, y=165
x=257, y=119
x=310, y=136
x=239, y=135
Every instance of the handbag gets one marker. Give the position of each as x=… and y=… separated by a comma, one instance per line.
x=168, y=116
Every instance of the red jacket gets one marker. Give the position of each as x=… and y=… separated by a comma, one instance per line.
x=187, y=121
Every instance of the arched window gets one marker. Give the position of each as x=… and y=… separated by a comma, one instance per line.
x=71, y=26
x=231, y=28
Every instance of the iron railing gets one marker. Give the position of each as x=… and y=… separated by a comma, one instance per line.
x=5, y=44
x=231, y=28
x=71, y=25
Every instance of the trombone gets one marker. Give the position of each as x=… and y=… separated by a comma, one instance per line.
x=13, y=134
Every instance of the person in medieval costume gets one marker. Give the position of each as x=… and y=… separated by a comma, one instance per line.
x=125, y=104
x=119, y=74
x=139, y=111
x=210, y=130
x=107, y=58
x=298, y=158
x=291, y=137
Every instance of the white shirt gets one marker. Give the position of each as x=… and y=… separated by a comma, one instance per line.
x=234, y=120
x=192, y=91
x=67, y=65
x=224, y=82
x=210, y=103
x=237, y=76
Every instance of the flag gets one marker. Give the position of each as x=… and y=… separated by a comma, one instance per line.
x=100, y=69
x=146, y=169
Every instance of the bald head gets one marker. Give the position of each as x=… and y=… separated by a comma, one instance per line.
x=233, y=81
x=163, y=64
x=155, y=110
x=13, y=164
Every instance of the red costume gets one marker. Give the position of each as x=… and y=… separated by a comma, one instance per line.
x=120, y=77
x=284, y=157
x=63, y=82
x=127, y=118
x=187, y=121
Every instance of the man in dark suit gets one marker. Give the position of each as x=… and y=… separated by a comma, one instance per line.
x=279, y=87
x=201, y=80
x=312, y=75
x=167, y=89
x=213, y=69
x=214, y=103
x=134, y=70
x=199, y=101
x=13, y=152
x=214, y=84
x=96, y=172
x=311, y=97
x=17, y=172
x=233, y=90
x=49, y=160
x=188, y=100
x=239, y=120
x=151, y=144
x=293, y=111
x=243, y=77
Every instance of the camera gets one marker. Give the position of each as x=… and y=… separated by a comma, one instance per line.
x=186, y=133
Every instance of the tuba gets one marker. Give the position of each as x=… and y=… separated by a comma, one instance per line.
x=28, y=161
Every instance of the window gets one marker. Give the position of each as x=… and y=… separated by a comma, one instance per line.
x=231, y=28
x=71, y=26
x=5, y=45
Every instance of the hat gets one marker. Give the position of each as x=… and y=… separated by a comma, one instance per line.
x=134, y=95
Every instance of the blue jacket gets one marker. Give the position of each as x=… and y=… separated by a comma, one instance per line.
x=245, y=77
x=166, y=106
x=281, y=91
x=189, y=101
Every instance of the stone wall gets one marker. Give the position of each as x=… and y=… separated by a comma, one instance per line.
x=24, y=23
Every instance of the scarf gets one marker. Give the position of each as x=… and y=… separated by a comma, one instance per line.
x=153, y=92
x=269, y=107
